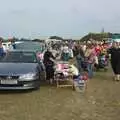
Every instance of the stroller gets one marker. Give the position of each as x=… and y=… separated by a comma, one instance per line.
x=102, y=62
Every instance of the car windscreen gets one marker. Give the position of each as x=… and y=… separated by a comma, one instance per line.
x=35, y=46
x=20, y=57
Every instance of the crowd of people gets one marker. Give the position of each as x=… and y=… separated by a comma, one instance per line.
x=3, y=49
x=88, y=56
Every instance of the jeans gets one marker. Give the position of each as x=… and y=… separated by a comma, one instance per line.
x=79, y=65
x=90, y=70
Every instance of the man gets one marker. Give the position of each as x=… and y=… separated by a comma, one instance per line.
x=80, y=58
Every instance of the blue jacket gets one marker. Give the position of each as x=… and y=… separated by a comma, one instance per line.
x=2, y=52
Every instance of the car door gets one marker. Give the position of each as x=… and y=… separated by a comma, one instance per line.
x=42, y=71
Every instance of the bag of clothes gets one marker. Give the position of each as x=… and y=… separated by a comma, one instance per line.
x=80, y=82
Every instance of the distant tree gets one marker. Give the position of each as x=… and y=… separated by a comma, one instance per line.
x=96, y=36
x=56, y=37
x=24, y=39
x=37, y=40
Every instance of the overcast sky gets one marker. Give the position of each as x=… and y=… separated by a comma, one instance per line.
x=34, y=18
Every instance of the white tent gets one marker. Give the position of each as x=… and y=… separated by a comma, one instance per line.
x=52, y=40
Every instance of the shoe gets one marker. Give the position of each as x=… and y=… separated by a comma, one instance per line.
x=118, y=78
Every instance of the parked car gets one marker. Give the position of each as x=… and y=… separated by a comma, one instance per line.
x=21, y=70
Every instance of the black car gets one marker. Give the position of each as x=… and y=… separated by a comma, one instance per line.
x=21, y=70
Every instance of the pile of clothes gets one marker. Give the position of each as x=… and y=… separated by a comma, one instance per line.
x=66, y=68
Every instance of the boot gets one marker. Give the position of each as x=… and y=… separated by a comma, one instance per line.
x=118, y=77
x=114, y=77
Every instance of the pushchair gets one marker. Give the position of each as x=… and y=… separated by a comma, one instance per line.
x=102, y=62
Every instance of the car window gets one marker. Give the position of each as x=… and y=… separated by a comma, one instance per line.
x=29, y=46
x=24, y=57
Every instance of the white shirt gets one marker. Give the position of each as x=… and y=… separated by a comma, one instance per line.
x=65, y=49
x=10, y=47
x=84, y=48
x=71, y=53
x=4, y=48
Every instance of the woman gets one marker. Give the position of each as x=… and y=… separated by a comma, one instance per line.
x=90, y=59
x=115, y=51
x=49, y=65
x=118, y=65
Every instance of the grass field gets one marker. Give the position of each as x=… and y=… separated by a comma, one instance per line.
x=100, y=102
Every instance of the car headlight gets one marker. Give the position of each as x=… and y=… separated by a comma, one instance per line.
x=28, y=77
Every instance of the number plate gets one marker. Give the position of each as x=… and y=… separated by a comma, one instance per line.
x=11, y=82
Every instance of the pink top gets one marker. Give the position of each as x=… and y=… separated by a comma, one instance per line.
x=62, y=68
x=92, y=56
